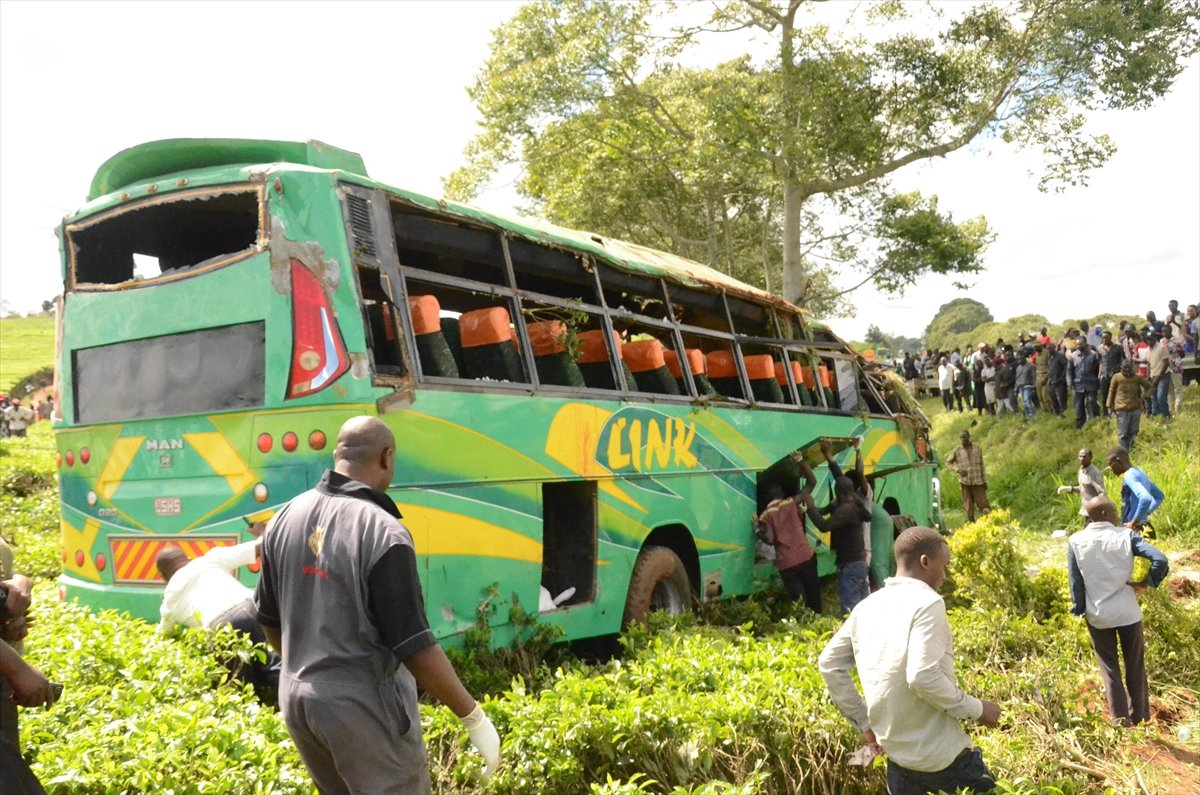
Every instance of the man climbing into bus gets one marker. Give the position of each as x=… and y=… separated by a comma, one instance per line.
x=782, y=526
x=845, y=528
x=340, y=599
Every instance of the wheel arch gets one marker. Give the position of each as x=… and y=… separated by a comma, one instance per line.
x=678, y=539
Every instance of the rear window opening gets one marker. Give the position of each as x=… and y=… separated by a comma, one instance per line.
x=164, y=238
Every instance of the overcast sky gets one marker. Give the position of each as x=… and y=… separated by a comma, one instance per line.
x=81, y=81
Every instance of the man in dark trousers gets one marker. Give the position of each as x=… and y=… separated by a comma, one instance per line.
x=1099, y=570
x=845, y=528
x=340, y=600
x=911, y=705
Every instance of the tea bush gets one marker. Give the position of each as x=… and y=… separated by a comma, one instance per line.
x=723, y=702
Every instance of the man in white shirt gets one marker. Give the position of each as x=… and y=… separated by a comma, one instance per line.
x=205, y=592
x=1099, y=570
x=899, y=640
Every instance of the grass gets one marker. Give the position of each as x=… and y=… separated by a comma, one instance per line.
x=26, y=346
x=1027, y=461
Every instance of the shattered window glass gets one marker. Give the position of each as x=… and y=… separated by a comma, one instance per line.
x=161, y=238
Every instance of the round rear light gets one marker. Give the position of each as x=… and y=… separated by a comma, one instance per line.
x=290, y=442
x=101, y=562
x=70, y=458
x=58, y=459
x=260, y=492
x=79, y=557
x=265, y=442
x=316, y=440
x=85, y=455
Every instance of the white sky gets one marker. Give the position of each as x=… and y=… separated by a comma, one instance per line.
x=81, y=81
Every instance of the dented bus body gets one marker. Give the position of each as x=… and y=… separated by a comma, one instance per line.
x=582, y=424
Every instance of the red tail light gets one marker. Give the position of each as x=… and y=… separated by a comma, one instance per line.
x=318, y=353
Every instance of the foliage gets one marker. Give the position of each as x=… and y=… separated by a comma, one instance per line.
x=723, y=702
x=783, y=161
x=143, y=712
x=26, y=346
x=29, y=501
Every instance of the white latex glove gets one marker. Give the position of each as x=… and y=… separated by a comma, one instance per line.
x=485, y=739
x=1064, y=489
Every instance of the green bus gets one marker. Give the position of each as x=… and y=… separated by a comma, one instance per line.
x=585, y=426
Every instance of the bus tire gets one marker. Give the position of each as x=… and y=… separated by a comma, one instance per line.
x=659, y=582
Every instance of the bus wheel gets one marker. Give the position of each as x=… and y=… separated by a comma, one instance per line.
x=659, y=582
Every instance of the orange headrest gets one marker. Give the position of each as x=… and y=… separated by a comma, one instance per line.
x=826, y=377
x=547, y=337
x=759, y=366
x=721, y=364
x=797, y=376
x=426, y=314
x=695, y=361
x=485, y=327
x=644, y=355
x=591, y=346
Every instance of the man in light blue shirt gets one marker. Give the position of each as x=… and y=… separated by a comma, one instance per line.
x=1139, y=496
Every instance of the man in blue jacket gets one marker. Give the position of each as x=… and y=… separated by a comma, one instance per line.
x=1099, y=570
x=1139, y=496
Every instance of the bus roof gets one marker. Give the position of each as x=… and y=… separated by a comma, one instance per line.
x=159, y=158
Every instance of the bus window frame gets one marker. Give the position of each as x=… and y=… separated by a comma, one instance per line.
x=262, y=238
x=621, y=282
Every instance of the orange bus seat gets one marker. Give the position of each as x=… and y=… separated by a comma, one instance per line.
x=723, y=373
x=548, y=341
x=436, y=357
x=487, y=341
x=645, y=358
x=760, y=370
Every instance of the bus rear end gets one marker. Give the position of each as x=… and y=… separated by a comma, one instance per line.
x=200, y=353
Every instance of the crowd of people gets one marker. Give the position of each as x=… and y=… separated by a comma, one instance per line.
x=1141, y=369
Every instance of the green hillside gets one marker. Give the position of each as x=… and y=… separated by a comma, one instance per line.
x=26, y=346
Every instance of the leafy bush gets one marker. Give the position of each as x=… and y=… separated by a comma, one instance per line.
x=986, y=568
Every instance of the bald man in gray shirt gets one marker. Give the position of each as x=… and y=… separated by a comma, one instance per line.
x=340, y=599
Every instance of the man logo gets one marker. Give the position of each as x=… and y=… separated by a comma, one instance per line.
x=316, y=540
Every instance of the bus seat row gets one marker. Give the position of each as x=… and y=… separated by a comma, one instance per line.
x=481, y=344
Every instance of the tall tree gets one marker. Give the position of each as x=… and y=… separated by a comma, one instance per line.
x=777, y=170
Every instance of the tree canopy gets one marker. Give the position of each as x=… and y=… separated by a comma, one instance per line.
x=955, y=317
x=776, y=169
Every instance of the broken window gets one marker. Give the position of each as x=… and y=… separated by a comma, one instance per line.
x=164, y=237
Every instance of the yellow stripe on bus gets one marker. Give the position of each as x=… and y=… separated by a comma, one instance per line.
x=224, y=460
x=123, y=451
x=438, y=532
x=875, y=455
x=76, y=540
